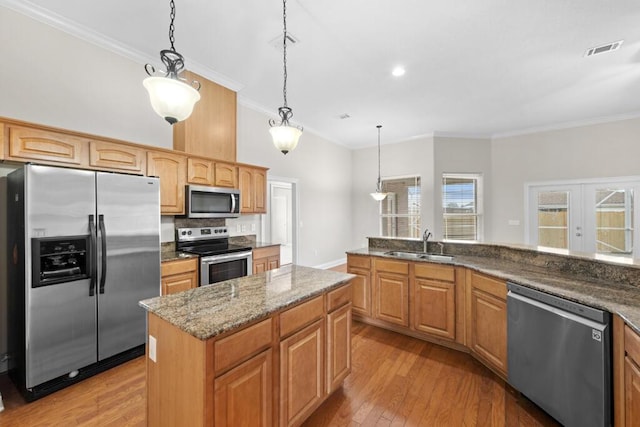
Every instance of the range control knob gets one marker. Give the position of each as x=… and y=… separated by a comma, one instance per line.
x=189, y=232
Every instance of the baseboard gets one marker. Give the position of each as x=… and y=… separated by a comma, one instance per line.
x=331, y=264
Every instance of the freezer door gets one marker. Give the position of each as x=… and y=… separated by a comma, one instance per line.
x=128, y=258
x=60, y=320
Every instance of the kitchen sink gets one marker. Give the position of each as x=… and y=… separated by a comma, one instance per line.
x=420, y=255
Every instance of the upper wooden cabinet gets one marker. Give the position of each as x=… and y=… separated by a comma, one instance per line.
x=253, y=189
x=118, y=157
x=226, y=175
x=200, y=171
x=172, y=170
x=2, y=143
x=46, y=146
x=210, y=131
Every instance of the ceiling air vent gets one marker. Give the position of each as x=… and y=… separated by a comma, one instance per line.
x=604, y=48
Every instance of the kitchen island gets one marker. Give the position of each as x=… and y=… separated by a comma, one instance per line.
x=266, y=349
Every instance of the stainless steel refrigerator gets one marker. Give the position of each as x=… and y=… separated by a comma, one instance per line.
x=84, y=248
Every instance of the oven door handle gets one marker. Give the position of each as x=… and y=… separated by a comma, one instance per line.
x=216, y=259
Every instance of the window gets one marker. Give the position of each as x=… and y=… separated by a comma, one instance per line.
x=400, y=210
x=462, y=206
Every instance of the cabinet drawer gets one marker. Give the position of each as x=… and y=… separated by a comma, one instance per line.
x=435, y=271
x=241, y=345
x=398, y=267
x=490, y=285
x=632, y=344
x=338, y=297
x=359, y=261
x=301, y=315
x=169, y=268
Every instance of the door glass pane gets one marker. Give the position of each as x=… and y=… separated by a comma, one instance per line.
x=553, y=210
x=614, y=221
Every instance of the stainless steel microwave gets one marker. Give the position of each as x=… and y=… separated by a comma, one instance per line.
x=212, y=202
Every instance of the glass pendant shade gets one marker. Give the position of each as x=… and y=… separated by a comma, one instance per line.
x=171, y=98
x=378, y=196
x=285, y=137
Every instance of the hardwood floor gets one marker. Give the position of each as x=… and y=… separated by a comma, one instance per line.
x=396, y=381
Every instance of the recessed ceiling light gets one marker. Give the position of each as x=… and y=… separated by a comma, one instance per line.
x=398, y=71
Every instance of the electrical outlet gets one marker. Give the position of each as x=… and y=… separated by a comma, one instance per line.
x=244, y=227
x=152, y=348
x=253, y=227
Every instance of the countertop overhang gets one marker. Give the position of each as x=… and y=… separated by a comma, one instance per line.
x=207, y=311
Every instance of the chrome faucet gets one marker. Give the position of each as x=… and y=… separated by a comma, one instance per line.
x=425, y=239
x=441, y=246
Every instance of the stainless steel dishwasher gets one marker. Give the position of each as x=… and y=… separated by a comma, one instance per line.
x=559, y=356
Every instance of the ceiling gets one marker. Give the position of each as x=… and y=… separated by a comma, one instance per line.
x=473, y=68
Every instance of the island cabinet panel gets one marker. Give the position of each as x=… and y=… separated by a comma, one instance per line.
x=117, y=157
x=178, y=276
x=172, y=171
x=391, y=291
x=360, y=266
x=200, y=171
x=338, y=347
x=487, y=305
x=46, y=146
x=302, y=374
x=244, y=395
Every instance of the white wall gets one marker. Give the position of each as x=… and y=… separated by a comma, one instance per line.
x=415, y=157
x=594, y=151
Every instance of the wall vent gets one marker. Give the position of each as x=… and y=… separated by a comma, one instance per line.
x=609, y=47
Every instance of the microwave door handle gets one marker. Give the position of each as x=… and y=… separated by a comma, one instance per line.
x=233, y=203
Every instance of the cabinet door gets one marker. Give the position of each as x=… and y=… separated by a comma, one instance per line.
x=301, y=374
x=338, y=347
x=52, y=147
x=361, y=285
x=172, y=171
x=178, y=283
x=260, y=191
x=243, y=396
x=225, y=175
x=392, y=298
x=260, y=265
x=489, y=328
x=120, y=157
x=200, y=171
x=245, y=181
x=632, y=393
x=273, y=262
x=434, y=308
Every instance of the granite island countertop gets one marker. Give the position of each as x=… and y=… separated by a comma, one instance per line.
x=612, y=295
x=207, y=311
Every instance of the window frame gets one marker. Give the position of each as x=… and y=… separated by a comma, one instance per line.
x=381, y=216
x=479, y=213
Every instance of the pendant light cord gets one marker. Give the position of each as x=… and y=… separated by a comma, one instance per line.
x=379, y=186
x=284, y=48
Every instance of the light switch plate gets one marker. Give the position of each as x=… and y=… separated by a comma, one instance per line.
x=152, y=348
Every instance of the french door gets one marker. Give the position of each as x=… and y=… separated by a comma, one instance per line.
x=595, y=217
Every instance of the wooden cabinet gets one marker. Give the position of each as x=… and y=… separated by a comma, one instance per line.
x=266, y=258
x=117, y=157
x=433, y=300
x=391, y=291
x=180, y=275
x=360, y=266
x=487, y=320
x=631, y=378
x=253, y=189
x=244, y=395
x=226, y=175
x=200, y=171
x=172, y=170
x=301, y=374
x=338, y=347
x=210, y=131
x=44, y=146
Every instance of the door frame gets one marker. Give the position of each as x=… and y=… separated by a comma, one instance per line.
x=295, y=206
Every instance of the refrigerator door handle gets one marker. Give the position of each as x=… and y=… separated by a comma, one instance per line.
x=92, y=254
x=103, y=241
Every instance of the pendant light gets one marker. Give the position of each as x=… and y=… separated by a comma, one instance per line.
x=171, y=96
x=285, y=136
x=378, y=196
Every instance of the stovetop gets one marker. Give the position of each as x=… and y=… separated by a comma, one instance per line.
x=206, y=241
x=207, y=250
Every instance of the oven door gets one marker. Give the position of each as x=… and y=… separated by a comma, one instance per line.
x=218, y=268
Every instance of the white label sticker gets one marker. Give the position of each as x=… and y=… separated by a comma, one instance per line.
x=596, y=335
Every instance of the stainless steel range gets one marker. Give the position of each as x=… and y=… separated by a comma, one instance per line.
x=219, y=260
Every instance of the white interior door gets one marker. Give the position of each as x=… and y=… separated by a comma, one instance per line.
x=280, y=221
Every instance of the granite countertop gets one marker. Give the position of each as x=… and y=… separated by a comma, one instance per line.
x=175, y=255
x=258, y=245
x=611, y=295
x=207, y=311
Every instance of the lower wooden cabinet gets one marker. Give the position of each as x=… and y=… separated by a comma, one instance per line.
x=391, y=291
x=244, y=395
x=266, y=258
x=631, y=378
x=360, y=266
x=434, y=308
x=487, y=310
x=180, y=275
x=301, y=374
x=338, y=347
